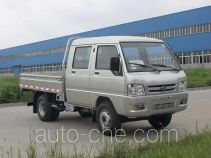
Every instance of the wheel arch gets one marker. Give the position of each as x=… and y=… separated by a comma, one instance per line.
x=101, y=99
x=116, y=102
x=50, y=96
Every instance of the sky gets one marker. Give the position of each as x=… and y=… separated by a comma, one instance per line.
x=27, y=21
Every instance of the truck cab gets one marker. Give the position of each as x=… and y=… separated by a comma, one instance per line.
x=114, y=79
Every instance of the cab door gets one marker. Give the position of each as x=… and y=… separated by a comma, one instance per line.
x=77, y=76
x=103, y=81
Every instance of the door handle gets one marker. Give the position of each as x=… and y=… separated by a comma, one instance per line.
x=73, y=72
x=97, y=73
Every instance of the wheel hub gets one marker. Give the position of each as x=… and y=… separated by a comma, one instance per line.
x=105, y=119
x=42, y=108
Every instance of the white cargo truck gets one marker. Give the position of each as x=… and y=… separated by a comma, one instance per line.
x=113, y=79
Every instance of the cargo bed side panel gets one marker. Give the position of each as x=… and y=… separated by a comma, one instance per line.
x=46, y=83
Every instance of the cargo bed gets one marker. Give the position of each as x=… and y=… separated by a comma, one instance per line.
x=50, y=82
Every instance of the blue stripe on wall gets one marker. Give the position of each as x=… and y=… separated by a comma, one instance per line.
x=201, y=41
x=38, y=60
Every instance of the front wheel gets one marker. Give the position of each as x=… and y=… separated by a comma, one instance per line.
x=45, y=112
x=108, y=121
x=160, y=121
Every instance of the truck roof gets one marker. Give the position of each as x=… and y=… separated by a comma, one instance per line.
x=113, y=39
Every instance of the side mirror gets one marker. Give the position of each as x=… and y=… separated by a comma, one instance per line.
x=114, y=64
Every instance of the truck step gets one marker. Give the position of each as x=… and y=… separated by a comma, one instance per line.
x=69, y=107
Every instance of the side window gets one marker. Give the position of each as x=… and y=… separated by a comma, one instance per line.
x=81, y=57
x=104, y=55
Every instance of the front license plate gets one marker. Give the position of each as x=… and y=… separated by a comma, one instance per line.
x=163, y=106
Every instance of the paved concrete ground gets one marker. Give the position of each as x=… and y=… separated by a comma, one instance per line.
x=18, y=122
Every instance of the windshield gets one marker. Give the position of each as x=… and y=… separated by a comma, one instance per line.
x=141, y=57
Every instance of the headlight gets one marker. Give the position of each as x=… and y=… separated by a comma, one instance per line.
x=135, y=90
x=182, y=86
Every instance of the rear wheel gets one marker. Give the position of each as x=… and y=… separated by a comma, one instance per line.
x=45, y=112
x=108, y=121
x=160, y=121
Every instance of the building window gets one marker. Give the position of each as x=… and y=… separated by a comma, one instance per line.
x=188, y=30
x=209, y=27
x=176, y=32
x=34, y=53
x=196, y=57
x=194, y=29
x=199, y=28
x=172, y=32
x=206, y=28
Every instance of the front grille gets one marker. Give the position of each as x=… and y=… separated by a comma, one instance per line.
x=161, y=89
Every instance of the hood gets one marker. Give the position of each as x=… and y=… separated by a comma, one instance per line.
x=156, y=78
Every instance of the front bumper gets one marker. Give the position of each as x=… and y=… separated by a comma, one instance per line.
x=154, y=104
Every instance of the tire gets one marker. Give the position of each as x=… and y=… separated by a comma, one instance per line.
x=160, y=121
x=45, y=112
x=55, y=115
x=85, y=112
x=108, y=121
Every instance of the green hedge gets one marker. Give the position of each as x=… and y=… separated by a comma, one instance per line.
x=10, y=91
x=198, y=77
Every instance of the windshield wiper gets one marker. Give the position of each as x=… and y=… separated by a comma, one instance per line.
x=161, y=65
x=147, y=66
